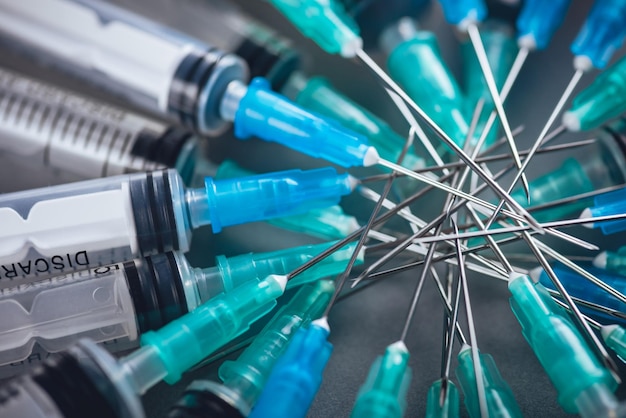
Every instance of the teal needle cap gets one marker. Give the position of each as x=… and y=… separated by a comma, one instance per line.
x=383, y=395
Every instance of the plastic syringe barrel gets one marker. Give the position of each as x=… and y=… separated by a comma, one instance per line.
x=76, y=383
x=153, y=67
x=56, y=230
x=296, y=377
x=572, y=367
x=451, y=403
x=228, y=27
x=78, y=138
x=109, y=304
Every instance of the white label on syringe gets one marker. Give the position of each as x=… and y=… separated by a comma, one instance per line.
x=90, y=224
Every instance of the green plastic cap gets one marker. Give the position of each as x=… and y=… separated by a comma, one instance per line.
x=564, y=354
x=615, y=337
x=603, y=100
x=325, y=22
x=450, y=406
x=500, y=399
x=416, y=65
x=213, y=324
x=247, y=375
x=615, y=262
x=384, y=392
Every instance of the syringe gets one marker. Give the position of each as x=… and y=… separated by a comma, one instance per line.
x=170, y=74
x=113, y=304
x=98, y=382
x=228, y=27
x=79, y=138
x=55, y=230
x=245, y=377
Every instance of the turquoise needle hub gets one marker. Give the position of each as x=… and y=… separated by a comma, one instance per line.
x=383, y=395
x=325, y=22
x=297, y=375
x=501, y=49
x=245, y=377
x=318, y=95
x=615, y=337
x=415, y=63
x=601, y=35
x=267, y=115
x=500, y=399
x=568, y=361
x=232, y=272
x=328, y=223
x=612, y=261
x=200, y=332
x=451, y=402
x=234, y=201
x=538, y=20
x=602, y=101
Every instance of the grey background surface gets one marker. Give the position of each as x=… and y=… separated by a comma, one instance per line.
x=363, y=325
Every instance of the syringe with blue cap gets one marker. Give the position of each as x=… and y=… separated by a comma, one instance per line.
x=327, y=23
x=583, y=384
x=610, y=203
x=205, y=92
x=113, y=386
x=78, y=226
x=114, y=304
x=244, y=378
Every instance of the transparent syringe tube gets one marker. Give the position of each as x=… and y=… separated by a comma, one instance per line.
x=155, y=68
x=223, y=24
x=78, y=138
x=51, y=231
x=95, y=304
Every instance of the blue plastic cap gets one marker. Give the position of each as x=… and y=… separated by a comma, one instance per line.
x=603, y=32
x=272, y=117
x=538, y=21
x=265, y=196
x=605, y=204
x=579, y=287
x=461, y=12
x=296, y=377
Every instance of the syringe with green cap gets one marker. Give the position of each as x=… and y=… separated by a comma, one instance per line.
x=415, y=62
x=602, y=101
x=244, y=378
x=615, y=337
x=97, y=380
x=583, y=384
x=501, y=48
x=114, y=304
x=327, y=223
